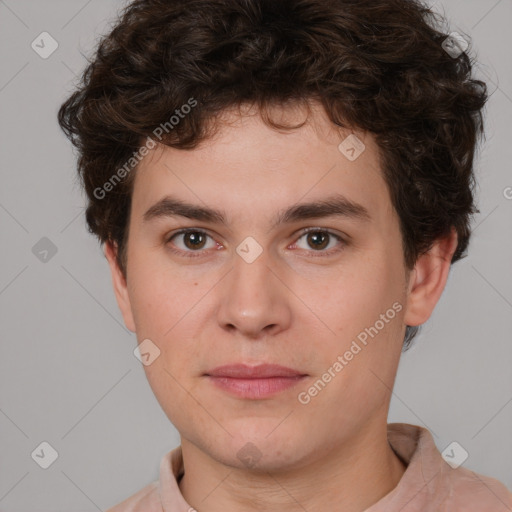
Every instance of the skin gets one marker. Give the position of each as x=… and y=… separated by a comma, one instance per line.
x=290, y=306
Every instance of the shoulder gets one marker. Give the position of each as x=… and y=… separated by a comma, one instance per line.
x=475, y=492
x=145, y=500
x=431, y=483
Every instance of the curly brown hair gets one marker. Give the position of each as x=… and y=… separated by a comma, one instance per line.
x=377, y=65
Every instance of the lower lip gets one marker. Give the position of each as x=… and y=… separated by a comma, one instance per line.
x=255, y=388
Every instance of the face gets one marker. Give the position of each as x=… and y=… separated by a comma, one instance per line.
x=256, y=287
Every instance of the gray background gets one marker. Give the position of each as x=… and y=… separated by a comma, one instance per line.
x=68, y=375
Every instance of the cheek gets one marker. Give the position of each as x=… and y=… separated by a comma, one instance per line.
x=157, y=298
x=356, y=296
x=173, y=399
x=169, y=308
x=363, y=306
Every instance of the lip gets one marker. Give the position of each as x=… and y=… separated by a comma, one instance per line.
x=254, y=382
x=262, y=371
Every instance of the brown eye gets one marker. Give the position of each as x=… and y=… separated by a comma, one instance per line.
x=322, y=241
x=190, y=242
x=194, y=239
x=318, y=239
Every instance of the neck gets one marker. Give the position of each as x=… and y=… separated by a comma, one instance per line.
x=349, y=477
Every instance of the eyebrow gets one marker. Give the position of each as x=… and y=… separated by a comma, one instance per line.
x=335, y=205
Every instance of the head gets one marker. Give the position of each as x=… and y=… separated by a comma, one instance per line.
x=238, y=109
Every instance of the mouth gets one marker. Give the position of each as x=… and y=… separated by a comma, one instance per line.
x=254, y=382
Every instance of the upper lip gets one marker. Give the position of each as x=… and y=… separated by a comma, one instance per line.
x=243, y=371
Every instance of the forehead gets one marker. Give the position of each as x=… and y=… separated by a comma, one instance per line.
x=247, y=166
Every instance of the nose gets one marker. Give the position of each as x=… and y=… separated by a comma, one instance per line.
x=255, y=300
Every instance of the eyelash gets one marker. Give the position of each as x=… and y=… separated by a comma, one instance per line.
x=199, y=253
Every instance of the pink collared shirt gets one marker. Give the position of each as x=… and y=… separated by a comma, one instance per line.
x=429, y=484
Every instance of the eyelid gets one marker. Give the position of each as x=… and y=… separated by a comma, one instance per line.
x=182, y=231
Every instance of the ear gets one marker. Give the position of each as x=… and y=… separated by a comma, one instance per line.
x=119, y=284
x=428, y=279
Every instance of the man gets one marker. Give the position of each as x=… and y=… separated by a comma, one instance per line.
x=281, y=188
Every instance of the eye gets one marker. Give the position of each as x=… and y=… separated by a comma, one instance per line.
x=319, y=239
x=193, y=240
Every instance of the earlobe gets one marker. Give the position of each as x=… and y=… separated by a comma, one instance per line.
x=119, y=284
x=428, y=279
